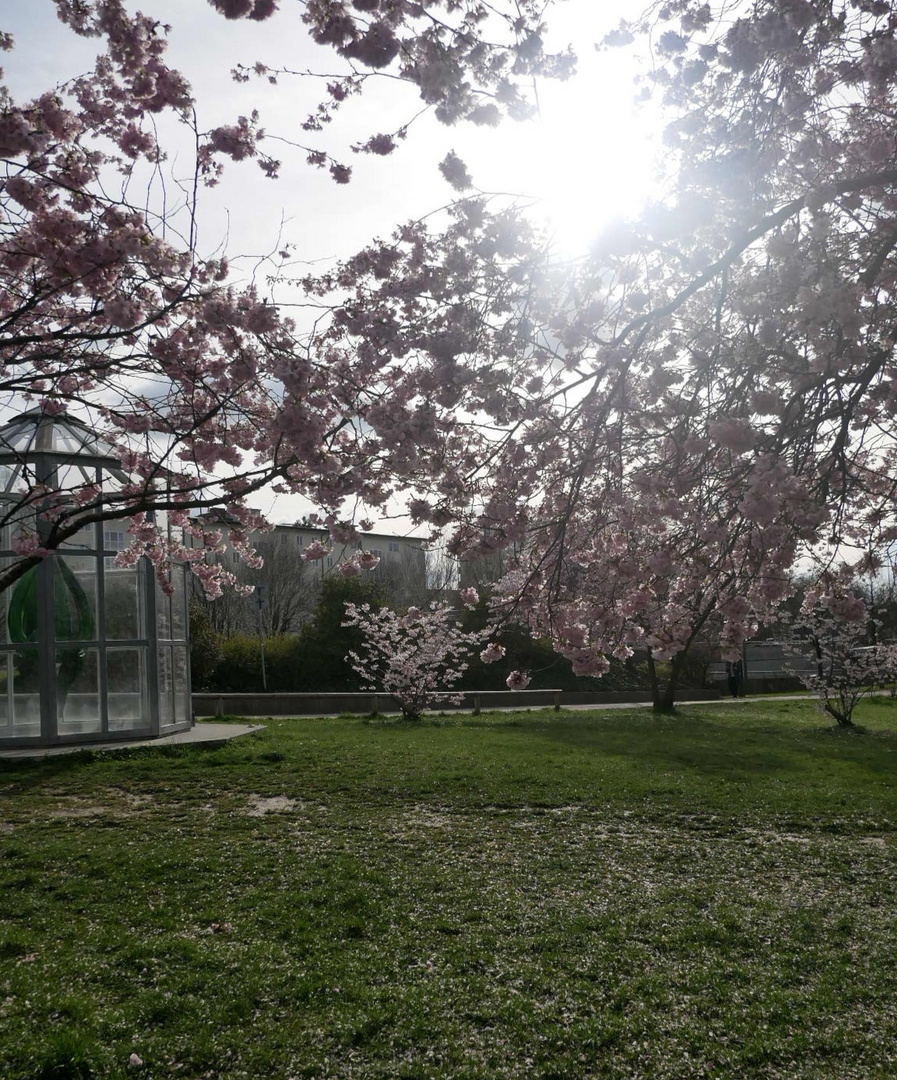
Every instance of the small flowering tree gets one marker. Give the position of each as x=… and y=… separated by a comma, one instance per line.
x=415, y=657
x=834, y=621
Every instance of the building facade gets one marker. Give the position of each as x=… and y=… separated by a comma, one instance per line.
x=291, y=584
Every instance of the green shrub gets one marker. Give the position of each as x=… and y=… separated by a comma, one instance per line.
x=312, y=660
x=240, y=669
x=205, y=649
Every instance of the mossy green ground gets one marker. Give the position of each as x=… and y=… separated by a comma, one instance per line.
x=520, y=895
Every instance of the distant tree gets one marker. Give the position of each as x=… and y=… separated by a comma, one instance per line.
x=229, y=613
x=324, y=641
x=416, y=657
x=443, y=573
x=833, y=624
x=290, y=593
x=404, y=581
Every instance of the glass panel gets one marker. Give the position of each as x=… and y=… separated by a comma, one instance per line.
x=83, y=538
x=11, y=478
x=178, y=604
x=116, y=536
x=21, y=614
x=126, y=689
x=181, y=686
x=163, y=613
x=77, y=691
x=19, y=437
x=125, y=618
x=25, y=676
x=71, y=438
x=66, y=442
x=5, y=688
x=4, y=604
x=114, y=479
x=72, y=478
x=166, y=688
x=74, y=600
x=75, y=597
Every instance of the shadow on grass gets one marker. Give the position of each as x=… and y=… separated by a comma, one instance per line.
x=710, y=759
x=726, y=745
x=41, y=769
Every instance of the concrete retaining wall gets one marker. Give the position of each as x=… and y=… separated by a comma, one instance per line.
x=763, y=684
x=366, y=703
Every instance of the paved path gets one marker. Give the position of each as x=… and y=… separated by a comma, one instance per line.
x=199, y=734
x=594, y=707
x=751, y=699
x=703, y=701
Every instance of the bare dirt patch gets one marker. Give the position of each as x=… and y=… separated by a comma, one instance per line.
x=430, y=819
x=79, y=811
x=273, y=804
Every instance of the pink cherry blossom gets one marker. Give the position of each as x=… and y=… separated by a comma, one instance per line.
x=492, y=653
x=518, y=680
x=315, y=551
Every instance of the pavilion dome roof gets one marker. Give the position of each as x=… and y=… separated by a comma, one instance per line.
x=66, y=444
x=41, y=432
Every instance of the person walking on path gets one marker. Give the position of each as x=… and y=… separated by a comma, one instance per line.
x=734, y=673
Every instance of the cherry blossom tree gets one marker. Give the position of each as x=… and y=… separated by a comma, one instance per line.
x=657, y=431
x=833, y=624
x=416, y=656
x=201, y=385
x=664, y=427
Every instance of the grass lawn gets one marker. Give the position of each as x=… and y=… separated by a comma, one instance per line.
x=522, y=895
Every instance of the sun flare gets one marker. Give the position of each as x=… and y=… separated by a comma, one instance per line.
x=588, y=158
x=589, y=167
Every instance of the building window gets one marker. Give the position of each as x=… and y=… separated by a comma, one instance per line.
x=393, y=545
x=113, y=540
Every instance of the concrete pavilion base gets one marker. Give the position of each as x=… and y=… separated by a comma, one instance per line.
x=199, y=735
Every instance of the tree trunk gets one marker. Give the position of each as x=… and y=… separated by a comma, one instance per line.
x=663, y=693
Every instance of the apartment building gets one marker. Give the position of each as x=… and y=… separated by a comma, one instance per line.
x=292, y=584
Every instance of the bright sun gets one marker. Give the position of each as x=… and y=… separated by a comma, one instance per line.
x=588, y=158
x=589, y=166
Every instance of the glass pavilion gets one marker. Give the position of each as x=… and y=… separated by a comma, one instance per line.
x=89, y=651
